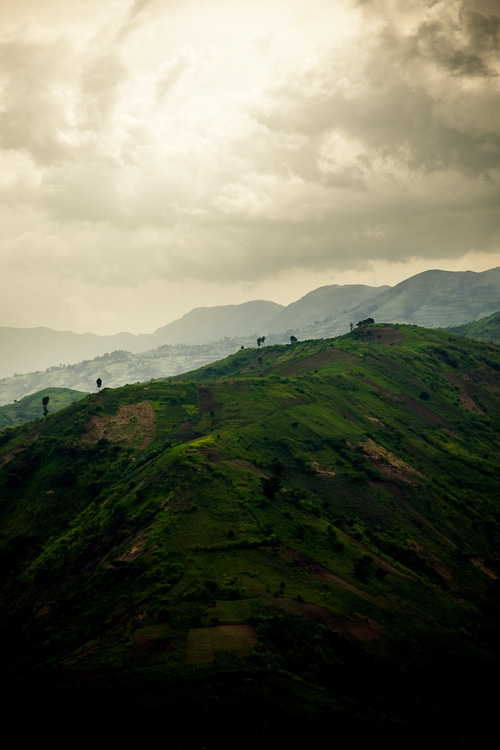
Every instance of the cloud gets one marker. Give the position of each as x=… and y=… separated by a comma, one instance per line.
x=147, y=145
x=100, y=81
x=138, y=13
x=173, y=71
x=461, y=45
x=34, y=112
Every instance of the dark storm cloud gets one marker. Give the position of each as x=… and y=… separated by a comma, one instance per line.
x=483, y=30
x=394, y=112
x=464, y=52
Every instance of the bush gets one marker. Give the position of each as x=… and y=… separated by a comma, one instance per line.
x=270, y=486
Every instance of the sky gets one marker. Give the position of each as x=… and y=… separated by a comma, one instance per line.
x=161, y=155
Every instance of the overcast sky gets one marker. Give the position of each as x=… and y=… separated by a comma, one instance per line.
x=159, y=155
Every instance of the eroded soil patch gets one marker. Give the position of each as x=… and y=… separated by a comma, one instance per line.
x=469, y=404
x=390, y=465
x=132, y=425
x=465, y=398
x=479, y=563
x=357, y=627
x=387, y=335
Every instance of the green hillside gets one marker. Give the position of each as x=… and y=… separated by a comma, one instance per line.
x=484, y=329
x=30, y=407
x=297, y=542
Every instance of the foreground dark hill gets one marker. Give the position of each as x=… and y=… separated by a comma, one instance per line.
x=298, y=542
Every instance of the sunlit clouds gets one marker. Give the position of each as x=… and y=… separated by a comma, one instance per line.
x=156, y=156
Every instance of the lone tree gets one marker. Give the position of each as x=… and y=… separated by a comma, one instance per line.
x=293, y=339
x=98, y=382
x=259, y=341
x=45, y=404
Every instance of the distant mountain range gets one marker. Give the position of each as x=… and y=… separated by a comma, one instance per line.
x=431, y=299
x=29, y=349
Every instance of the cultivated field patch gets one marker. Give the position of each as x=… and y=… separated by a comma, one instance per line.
x=204, y=642
x=315, y=361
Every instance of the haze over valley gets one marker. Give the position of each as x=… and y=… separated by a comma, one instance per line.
x=432, y=299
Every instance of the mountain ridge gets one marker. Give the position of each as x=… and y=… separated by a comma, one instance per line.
x=433, y=298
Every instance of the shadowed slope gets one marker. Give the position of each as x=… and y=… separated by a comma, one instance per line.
x=306, y=521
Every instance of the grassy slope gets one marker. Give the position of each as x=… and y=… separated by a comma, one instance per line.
x=301, y=520
x=30, y=407
x=484, y=329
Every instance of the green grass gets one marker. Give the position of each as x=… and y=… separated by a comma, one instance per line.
x=261, y=503
x=30, y=407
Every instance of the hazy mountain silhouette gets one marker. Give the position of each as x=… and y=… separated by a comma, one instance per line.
x=432, y=299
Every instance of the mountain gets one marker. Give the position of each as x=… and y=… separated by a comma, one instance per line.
x=294, y=544
x=327, y=302
x=430, y=299
x=213, y=323
x=34, y=349
x=441, y=298
x=30, y=407
x=485, y=329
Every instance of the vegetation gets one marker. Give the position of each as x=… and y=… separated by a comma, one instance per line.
x=485, y=329
x=292, y=542
x=28, y=408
